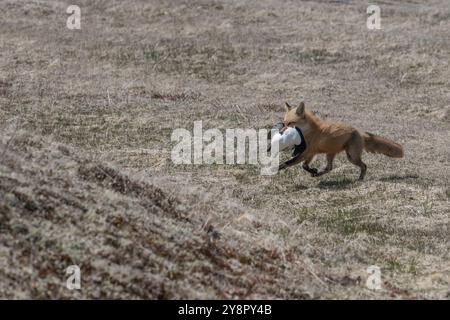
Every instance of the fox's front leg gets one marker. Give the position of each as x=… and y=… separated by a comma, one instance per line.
x=291, y=162
x=305, y=166
x=297, y=159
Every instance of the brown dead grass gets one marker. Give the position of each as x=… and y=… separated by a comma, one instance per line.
x=86, y=175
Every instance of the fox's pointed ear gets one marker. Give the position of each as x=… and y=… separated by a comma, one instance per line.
x=288, y=107
x=301, y=109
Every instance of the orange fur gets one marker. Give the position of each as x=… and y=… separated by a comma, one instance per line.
x=332, y=138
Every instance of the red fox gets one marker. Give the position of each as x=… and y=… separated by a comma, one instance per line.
x=333, y=138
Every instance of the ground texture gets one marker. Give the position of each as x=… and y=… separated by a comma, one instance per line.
x=86, y=176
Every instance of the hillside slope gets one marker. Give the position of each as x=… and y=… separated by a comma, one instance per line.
x=87, y=176
x=130, y=239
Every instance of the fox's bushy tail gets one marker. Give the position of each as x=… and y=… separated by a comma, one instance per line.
x=377, y=144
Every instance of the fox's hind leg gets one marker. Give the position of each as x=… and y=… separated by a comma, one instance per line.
x=329, y=166
x=354, y=151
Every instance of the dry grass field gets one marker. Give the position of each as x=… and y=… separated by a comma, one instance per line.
x=86, y=176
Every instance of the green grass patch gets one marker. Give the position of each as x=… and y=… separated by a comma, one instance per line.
x=313, y=55
x=210, y=63
x=395, y=265
x=303, y=214
x=337, y=184
x=349, y=222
